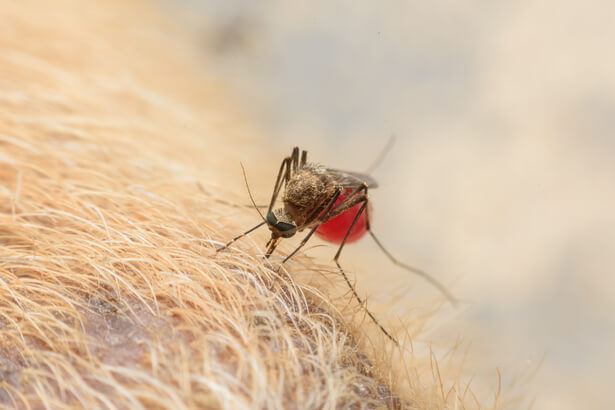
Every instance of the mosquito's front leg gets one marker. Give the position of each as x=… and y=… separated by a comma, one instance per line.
x=240, y=236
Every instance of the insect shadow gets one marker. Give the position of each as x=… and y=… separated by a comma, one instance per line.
x=314, y=196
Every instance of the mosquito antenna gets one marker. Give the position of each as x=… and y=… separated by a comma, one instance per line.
x=382, y=154
x=245, y=178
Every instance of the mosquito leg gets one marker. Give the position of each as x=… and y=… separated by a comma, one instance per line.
x=416, y=271
x=363, y=208
x=286, y=176
x=303, y=158
x=284, y=173
x=295, y=158
x=349, y=201
x=409, y=268
x=240, y=236
x=350, y=285
x=358, y=298
x=303, y=242
x=288, y=165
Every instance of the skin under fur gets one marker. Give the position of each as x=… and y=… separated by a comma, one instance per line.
x=111, y=292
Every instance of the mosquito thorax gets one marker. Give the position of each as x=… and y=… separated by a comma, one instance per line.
x=281, y=224
x=307, y=194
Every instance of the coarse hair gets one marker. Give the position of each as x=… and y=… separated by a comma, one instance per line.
x=111, y=207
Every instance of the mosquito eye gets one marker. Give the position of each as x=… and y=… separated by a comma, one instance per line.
x=287, y=230
x=283, y=226
x=271, y=219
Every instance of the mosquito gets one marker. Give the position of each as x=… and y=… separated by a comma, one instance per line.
x=333, y=204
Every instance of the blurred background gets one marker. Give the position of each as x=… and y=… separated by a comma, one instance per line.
x=500, y=182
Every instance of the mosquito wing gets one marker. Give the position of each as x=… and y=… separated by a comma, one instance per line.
x=350, y=179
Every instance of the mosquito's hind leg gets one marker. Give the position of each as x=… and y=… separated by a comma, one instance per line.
x=350, y=285
x=409, y=268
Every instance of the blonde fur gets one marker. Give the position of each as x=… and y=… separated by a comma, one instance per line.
x=111, y=293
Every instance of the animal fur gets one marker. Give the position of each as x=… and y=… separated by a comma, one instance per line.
x=111, y=293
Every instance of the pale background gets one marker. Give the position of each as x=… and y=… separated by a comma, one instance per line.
x=501, y=178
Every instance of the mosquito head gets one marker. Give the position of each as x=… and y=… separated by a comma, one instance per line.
x=281, y=224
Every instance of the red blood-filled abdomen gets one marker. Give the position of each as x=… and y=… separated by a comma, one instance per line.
x=335, y=229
